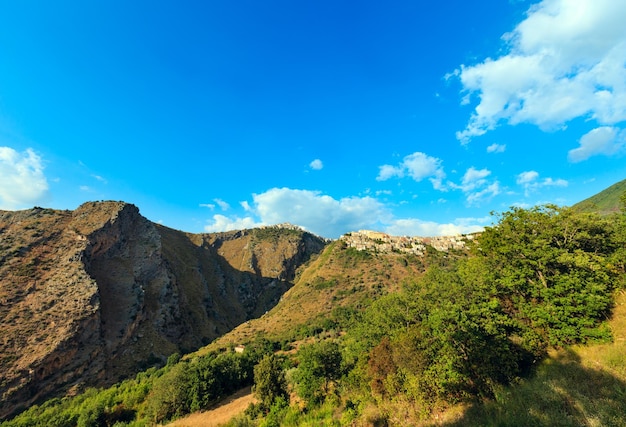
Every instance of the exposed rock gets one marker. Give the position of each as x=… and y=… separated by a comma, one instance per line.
x=91, y=296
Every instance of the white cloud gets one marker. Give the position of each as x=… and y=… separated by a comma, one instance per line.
x=496, y=148
x=530, y=181
x=485, y=194
x=318, y=213
x=527, y=177
x=417, y=227
x=99, y=178
x=22, y=181
x=330, y=217
x=222, y=204
x=549, y=182
x=604, y=140
x=387, y=171
x=316, y=165
x=474, y=178
x=472, y=222
x=565, y=60
x=476, y=186
x=219, y=202
x=223, y=223
x=418, y=166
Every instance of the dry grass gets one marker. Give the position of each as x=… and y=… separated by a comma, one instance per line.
x=227, y=409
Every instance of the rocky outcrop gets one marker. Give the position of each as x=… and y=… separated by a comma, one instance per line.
x=91, y=296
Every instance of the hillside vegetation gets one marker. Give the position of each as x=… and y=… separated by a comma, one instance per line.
x=328, y=291
x=512, y=331
x=608, y=201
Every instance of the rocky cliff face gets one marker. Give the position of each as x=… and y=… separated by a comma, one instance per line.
x=90, y=296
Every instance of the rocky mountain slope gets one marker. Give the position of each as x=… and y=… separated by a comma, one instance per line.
x=93, y=295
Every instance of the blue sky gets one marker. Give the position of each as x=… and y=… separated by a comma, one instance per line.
x=413, y=118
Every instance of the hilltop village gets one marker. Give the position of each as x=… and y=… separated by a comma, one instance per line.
x=382, y=242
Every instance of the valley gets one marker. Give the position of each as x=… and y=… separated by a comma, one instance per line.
x=143, y=324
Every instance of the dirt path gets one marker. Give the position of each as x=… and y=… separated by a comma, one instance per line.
x=231, y=406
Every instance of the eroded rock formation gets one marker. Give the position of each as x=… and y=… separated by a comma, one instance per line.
x=90, y=296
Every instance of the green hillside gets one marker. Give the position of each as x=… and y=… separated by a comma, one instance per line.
x=605, y=202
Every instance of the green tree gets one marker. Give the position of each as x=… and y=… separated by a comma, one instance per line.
x=539, y=277
x=320, y=366
x=459, y=344
x=551, y=269
x=169, y=396
x=269, y=380
x=213, y=377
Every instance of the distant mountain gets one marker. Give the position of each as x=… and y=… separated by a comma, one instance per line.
x=605, y=202
x=90, y=296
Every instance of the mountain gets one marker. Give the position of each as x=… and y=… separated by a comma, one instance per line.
x=90, y=296
x=605, y=202
x=347, y=276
